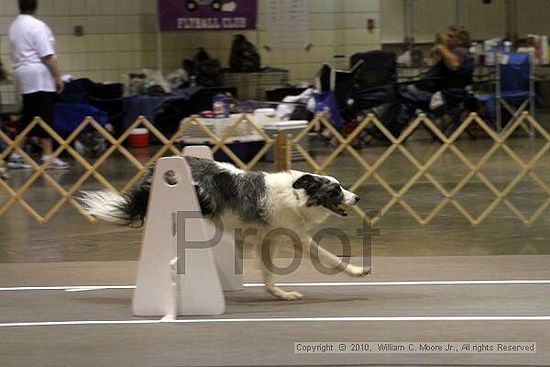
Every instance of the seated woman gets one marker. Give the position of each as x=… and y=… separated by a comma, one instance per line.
x=452, y=73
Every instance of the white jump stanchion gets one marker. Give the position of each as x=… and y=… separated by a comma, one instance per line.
x=228, y=257
x=166, y=285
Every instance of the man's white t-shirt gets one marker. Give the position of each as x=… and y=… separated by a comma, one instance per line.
x=31, y=40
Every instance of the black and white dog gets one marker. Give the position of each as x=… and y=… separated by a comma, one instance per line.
x=291, y=200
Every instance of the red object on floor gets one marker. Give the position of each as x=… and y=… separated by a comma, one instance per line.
x=139, y=138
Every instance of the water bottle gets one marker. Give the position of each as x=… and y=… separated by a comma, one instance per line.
x=490, y=53
x=507, y=46
x=220, y=105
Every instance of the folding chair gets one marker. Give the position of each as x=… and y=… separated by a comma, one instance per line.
x=514, y=89
x=337, y=81
x=375, y=78
x=334, y=89
x=369, y=82
x=368, y=74
x=379, y=68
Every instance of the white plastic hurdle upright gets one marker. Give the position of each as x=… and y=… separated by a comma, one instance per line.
x=162, y=288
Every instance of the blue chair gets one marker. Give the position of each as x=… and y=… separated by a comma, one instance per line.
x=514, y=89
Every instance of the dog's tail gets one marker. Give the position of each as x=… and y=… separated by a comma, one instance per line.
x=126, y=209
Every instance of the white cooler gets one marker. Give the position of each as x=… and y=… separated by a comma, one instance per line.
x=292, y=128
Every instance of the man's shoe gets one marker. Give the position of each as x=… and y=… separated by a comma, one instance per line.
x=3, y=171
x=15, y=161
x=56, y=164
x=436, y=101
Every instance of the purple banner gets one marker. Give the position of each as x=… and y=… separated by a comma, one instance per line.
x=207, y=15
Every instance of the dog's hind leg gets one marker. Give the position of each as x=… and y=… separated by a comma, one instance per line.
x=266, y=253
x=328, y=259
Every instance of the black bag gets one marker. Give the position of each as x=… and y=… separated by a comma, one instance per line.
x=244, y=56
x=208, y=71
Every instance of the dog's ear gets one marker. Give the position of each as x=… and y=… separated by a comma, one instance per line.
x=303, y=182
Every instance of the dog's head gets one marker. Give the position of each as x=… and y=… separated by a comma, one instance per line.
x=327, y=192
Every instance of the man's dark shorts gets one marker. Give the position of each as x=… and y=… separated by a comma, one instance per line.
x=39, y=104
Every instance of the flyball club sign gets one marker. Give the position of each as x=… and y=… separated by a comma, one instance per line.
x=206, y=15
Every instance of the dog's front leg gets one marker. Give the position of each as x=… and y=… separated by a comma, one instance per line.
x=328, y=259
x=266, y=253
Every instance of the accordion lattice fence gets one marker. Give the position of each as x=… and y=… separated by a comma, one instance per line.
x=10, y=196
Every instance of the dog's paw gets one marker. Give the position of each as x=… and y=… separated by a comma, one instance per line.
x=285, y=296
x=357, y=271
x=290, y=296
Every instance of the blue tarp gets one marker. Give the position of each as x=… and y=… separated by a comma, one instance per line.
x=68, y=116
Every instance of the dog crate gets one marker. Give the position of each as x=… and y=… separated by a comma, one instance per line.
x=254, y=85
x=218, y=126
x=293, y=128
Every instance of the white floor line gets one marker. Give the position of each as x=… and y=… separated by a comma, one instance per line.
x=68, y=288
x=407, y=283
x=81, y=288
x=281, y=319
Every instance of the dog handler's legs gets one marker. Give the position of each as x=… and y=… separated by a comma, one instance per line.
x=330, y=260
x=266, y=253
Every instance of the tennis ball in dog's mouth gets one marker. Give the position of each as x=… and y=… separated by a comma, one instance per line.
x=343, y=207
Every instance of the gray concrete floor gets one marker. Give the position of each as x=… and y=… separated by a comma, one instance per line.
x=270, y=342
x=70, y=251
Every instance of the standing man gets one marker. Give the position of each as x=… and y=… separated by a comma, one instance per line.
x=37, y=72
x=3, y=76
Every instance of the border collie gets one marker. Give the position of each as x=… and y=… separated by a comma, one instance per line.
x=291, y=200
